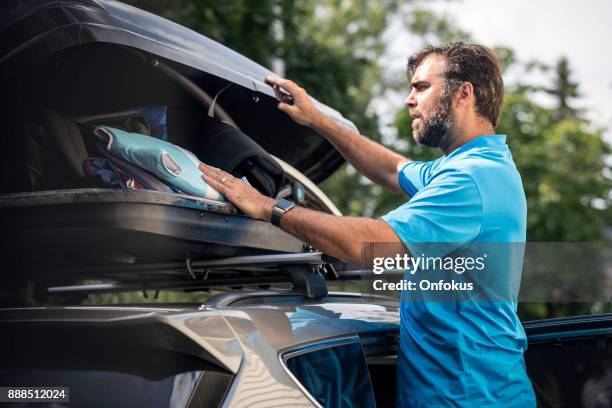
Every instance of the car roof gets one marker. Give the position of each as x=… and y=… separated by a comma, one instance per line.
x=280, y=327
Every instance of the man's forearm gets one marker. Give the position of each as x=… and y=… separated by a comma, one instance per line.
x=369, y=158
x=341, y=237
x=335, y=235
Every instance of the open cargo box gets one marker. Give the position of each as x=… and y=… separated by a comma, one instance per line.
x=88, y=58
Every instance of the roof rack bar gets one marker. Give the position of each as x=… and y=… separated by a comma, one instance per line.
x=167, y=285
x=310, y=258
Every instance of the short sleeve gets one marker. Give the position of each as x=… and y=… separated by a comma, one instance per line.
x=449, y=209
x=413, y=176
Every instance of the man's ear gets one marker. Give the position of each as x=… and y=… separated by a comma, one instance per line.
x=464, y=95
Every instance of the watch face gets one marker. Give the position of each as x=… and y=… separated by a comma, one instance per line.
x=280, y=208
x=284, y=204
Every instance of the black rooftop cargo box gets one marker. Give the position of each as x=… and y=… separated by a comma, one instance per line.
x=65, y=60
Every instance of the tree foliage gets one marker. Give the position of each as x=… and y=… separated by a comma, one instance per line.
x=563, y=166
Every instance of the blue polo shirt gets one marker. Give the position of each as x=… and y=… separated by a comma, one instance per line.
x=463, y=353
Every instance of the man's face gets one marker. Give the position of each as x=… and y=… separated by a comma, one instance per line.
x=429, y=105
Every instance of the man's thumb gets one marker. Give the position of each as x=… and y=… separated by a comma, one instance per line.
x=286, y=107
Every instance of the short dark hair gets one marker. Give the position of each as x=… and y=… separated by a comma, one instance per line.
x=469, y=63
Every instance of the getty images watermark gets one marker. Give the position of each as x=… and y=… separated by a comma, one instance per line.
x=448, y=272
x=530, y=272
x=413, y=264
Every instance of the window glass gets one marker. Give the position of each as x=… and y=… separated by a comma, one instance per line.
x=575, y=373
x=107, y=388
x=110, y=375
x=337, y=377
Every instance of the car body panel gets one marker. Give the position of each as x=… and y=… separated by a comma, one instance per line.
x=247, y=341
x=569, y=327
x=302, y=323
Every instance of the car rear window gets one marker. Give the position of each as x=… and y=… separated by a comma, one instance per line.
x=115, y=376
x=94, y=388
x=334, y=376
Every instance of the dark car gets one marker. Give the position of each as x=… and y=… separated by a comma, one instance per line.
x=151, y=297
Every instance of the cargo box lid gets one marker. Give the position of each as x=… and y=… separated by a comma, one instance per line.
x=32, y=30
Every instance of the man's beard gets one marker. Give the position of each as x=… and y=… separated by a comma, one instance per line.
x=435, y=130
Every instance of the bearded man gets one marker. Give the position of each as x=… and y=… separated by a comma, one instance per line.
x=451, y=354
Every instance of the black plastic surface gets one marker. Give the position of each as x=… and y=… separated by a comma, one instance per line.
x=89, y=231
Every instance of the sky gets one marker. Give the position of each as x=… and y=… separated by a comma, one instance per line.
x=543, y=30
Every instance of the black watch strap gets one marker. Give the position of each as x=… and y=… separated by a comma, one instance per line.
x=280, y=208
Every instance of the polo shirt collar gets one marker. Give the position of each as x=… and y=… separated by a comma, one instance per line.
x=480, y=141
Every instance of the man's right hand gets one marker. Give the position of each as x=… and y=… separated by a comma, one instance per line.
x=303, y=111
x=371, y=159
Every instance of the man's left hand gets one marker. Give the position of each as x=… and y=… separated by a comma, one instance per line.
x=246, y=198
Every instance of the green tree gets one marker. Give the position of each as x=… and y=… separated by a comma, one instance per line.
x=564, y=90
x=245, y=26
x=564, y=164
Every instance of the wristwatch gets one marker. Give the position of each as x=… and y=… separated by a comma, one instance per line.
x=280, y=208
